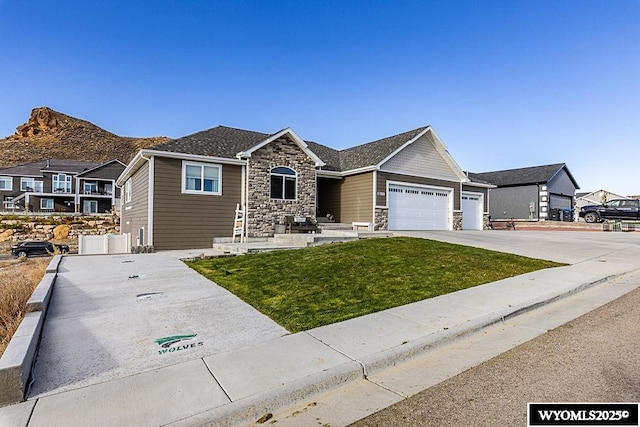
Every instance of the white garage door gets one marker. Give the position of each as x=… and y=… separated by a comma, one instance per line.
x=418, y=208
x=472, y=210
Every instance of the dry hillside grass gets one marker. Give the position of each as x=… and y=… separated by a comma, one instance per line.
x=18, y=279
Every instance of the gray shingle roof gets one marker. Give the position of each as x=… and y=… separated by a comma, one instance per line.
x=220, y=141
x=522, y=176
x=54, y=165
x=226, y=142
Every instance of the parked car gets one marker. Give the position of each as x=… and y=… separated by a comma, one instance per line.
x=621, y=209
x=37, y=248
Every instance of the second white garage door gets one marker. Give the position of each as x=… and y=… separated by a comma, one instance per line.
x=472, y=208
x=419, y=208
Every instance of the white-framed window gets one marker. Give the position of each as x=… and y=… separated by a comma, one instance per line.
x=46, y=204
x=108, y=189
x=6, y=183
x=90, y=187
x=89, y=206
x=201, y=178
x=127, y=191
x=62, y=183
x=31, y=185
x=283, y=183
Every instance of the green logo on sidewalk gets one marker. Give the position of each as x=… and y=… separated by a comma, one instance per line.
x=174, y=343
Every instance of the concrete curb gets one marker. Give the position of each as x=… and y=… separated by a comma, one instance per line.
x=249, y=409
x=39, y=300
x=385, y=359
x=19, y=357
x=53, y=265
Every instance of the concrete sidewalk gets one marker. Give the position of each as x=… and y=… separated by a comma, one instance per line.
x=240, y=385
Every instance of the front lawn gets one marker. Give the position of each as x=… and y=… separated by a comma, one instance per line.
x=305, y=288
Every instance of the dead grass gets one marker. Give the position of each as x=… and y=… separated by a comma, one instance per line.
x=18, y=279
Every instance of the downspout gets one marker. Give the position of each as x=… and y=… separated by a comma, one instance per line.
x=375, y=198
x=150, y=199
x=243, y=201
x=76, y=195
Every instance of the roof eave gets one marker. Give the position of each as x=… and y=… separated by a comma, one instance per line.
x=247, y=153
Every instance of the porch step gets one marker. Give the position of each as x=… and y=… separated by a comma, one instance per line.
x=305, y=240
x=334, y=226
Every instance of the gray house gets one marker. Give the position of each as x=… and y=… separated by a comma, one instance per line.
x=60, y=185
x=532, y=193
x=184, y=193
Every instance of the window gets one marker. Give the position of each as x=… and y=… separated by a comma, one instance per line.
x=62, y=183
x=6, y=183
x=90, y=187
x=46, y=204
x=27, y=184
x=108, y=189
x=283, y=183
x=89, y=206
x=127, y=191
x=201, y=178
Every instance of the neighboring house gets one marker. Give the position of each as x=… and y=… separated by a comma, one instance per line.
x=529, y=193
x=184, y=193
x=595, y=198
x=58, y=185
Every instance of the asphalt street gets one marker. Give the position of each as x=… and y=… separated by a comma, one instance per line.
x=593, y=358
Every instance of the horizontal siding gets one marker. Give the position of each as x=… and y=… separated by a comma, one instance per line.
x=421, y=159
x=356, y=198
x=188, y=221
x=513, y=202
x=135, y=213
x=383, y=177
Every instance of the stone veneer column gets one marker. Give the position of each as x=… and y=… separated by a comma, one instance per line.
x=457, y=220
x=262, y=211
x=485, y=222
x=381, y=220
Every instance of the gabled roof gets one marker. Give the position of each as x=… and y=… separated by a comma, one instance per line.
x=594, y=195
x=223, y=142
x=292, y=135
x=373, y=153
x=523, y=176
x=108, y=170
x=220, y=141
x=36, y=169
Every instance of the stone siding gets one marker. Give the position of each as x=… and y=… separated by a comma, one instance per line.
x=262, y=211
x=485, y=222
x=381, y=219
x=457, y=220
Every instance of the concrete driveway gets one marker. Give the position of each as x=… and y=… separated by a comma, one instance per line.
x=114, y=316
x=569, y=247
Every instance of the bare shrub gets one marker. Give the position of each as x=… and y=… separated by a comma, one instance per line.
x=17, y=282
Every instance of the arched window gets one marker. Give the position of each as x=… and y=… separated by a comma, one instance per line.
x=283, y=183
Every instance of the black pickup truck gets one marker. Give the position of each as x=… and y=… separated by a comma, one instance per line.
x=621, y=209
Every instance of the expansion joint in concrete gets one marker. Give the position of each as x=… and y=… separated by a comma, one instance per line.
x=216, y=380
x=362, y=365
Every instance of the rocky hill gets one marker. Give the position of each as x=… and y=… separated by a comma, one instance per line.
x=49, y=134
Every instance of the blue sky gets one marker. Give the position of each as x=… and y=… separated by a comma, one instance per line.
x=505, y=84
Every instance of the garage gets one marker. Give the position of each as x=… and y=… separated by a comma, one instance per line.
x=557, y=201
x=413, y=207
x=472, y=211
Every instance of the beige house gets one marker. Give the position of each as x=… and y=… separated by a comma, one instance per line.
x=184, y=193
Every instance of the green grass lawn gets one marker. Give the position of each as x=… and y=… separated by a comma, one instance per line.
x=305, y=288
